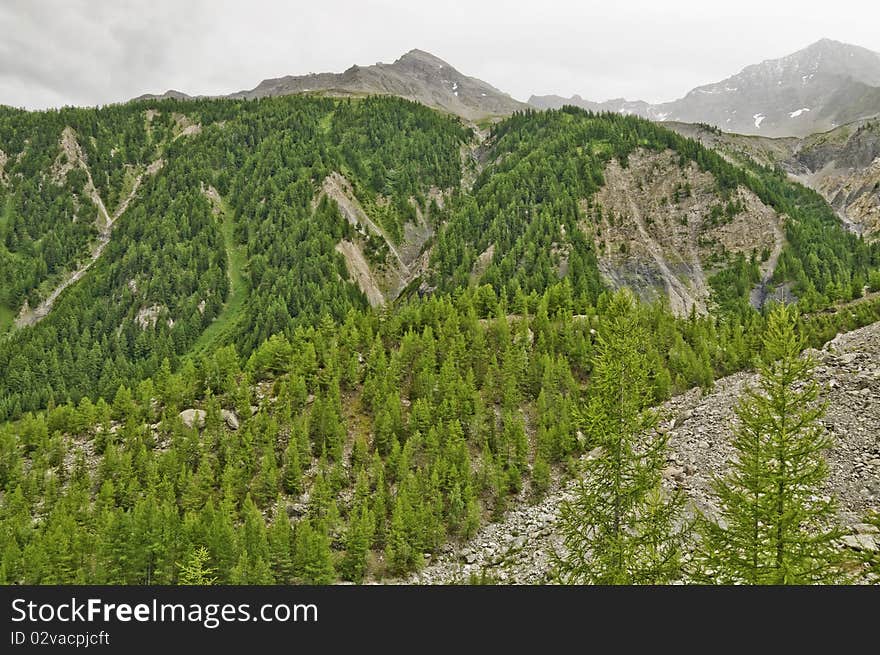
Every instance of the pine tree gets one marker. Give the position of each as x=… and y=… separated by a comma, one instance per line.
x=196, y=570
x=291, y=478
x=621, y=527
x=775, y=526
x=357, y=544
x=312, y=557
x=400, y=552
x=280, y=536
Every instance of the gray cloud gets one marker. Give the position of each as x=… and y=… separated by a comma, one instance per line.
x=57, y=52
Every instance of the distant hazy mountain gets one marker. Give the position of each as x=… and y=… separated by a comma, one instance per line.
x=169, y=94
x=417, y=75
x=815, y=89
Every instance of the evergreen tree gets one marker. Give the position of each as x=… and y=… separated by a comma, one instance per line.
x=196, y=571
x=621, y=527
x=280, y=538
x=357, y=544
x=775, y=526
x=312, y=558
x=401, y=554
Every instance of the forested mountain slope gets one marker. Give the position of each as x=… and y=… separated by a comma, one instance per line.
x=250, y=218
x=680, y=219
x=324, y=336
x=187, y=226
x=347, y=452
x=519, y=548
x=238, y=178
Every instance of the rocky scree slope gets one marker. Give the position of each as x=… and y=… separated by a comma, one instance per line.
x=518, y=549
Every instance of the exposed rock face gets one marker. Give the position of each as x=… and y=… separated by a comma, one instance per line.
x=843, y=165
x=359, y=271
x=818, y=88
x=3, y=159
x=230, y=418
x=659, y=240
x=518, y=549
x=380, y=281
x=147, y=316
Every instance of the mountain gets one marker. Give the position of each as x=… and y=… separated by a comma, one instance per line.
x=316, y=338
x=170, y=94
x=417, y=76
x=617, y=105
x=815, y=89
x=842, y=164
x=374, y=201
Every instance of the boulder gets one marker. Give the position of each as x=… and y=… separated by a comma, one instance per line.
x=861, y=542
x=230, y=418
x=193, y=418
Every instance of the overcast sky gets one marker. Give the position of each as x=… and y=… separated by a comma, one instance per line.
x=86, y=52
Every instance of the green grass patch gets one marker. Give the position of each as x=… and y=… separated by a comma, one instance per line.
x=326, y=123
x=7, y=317
x=223, y=327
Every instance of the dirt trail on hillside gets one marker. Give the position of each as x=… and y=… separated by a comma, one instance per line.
x=104, y=223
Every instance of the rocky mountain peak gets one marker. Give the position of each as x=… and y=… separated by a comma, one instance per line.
x=817, y=88
x=418, y=57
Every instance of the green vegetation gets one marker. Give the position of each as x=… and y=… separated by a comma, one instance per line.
x=168, y=258
x=775, y=525
x=337, y=441
x=222, y=330
x=528, y=205
x=402, y=430
x=621, y=528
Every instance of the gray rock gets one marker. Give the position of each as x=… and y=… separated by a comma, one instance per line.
x=230, y=418
x=193, y=418
x=864, y=528
x=861, y=542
